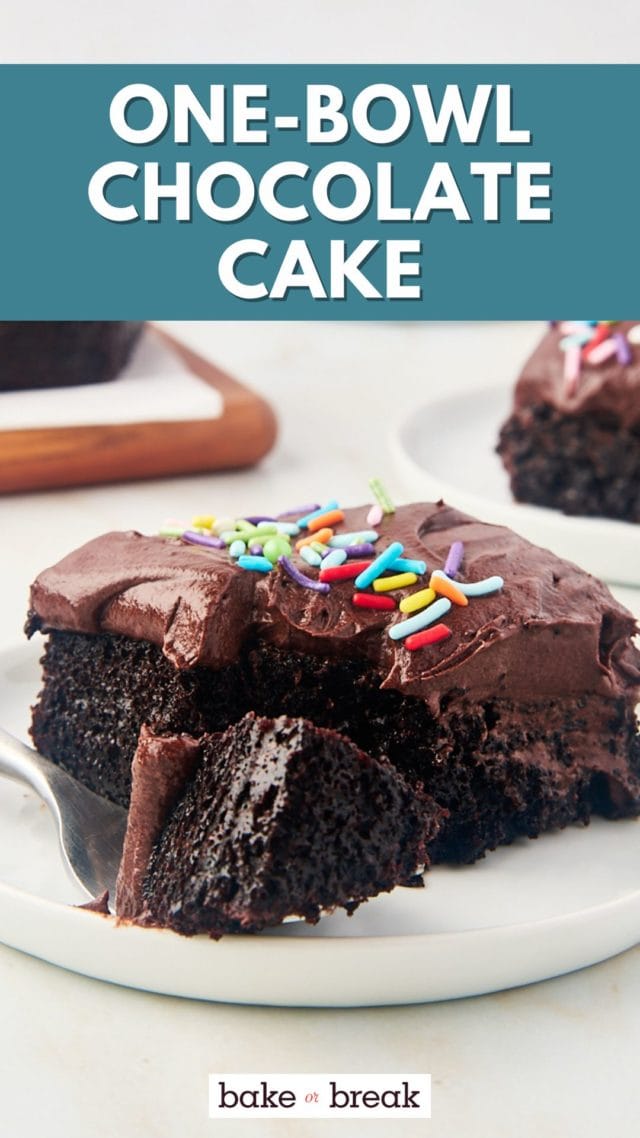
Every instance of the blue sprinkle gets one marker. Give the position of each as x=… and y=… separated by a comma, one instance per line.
x=343, y=540
x=330, y=505
x=237, y=548
x=575, y=339
x=261, y=564
x=422, y=620
x=377, y=567
x=290, y=528
x=335, y=557
x=310, y=556
x=407, y=565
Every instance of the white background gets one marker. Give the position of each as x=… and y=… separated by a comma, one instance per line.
x=347, y=31
x=80, y=1058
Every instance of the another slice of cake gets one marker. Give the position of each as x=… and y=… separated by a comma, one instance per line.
x=514, y=706
x=279, y=818
x=572, y=440
x=64, y=353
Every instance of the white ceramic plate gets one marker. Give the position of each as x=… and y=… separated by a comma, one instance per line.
x=525, y=913
x=446, y=449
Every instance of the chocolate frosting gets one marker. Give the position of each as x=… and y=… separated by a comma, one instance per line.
x=609, y=388
x=161, y=767
x=553, y=629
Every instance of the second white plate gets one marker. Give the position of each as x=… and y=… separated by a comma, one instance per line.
x=446, y=449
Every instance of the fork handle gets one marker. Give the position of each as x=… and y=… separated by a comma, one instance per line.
x=22, y=763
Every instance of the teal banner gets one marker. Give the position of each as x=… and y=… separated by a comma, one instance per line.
x=319, y=193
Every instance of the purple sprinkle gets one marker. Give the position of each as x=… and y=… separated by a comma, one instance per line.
x=623, y=349
x=201, y=539
x=255, y=549
x=254, y=519
x=300, y=579
x=363, y=550
x=454, y=559
x=297, y=511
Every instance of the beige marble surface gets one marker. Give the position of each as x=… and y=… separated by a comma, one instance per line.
x=551, y=1061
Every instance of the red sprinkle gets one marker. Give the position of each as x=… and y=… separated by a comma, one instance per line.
x=599, y=334
x=427, y=636
x=344, y=572
x=372, y=601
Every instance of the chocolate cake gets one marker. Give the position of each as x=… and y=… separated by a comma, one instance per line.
x=63, y=353
x=514, y=705
x=572, y=440
x=273, y=818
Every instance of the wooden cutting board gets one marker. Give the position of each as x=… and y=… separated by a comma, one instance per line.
x=46, y=457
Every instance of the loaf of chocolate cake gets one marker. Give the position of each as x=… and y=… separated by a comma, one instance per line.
x=64, y=353
x=572, y=440
x=273, y=818
x=514, y=706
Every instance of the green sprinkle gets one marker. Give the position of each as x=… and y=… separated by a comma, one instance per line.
x=275, y=547
x=381, y=496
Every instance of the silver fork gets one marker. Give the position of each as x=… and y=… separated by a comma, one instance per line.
x=90, y=828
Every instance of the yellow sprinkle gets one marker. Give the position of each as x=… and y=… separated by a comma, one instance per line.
x=418, y=600
x=400, y=581
x=203, y=521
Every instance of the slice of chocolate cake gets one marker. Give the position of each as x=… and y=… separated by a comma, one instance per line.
x=64, y=353
x=279, y=818
x=572, y=440
x=497, y=675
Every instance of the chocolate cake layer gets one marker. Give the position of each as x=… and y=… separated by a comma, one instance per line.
x=281, y=818
x=503, y=769
x=521, y=721
x=575, y=446
x=63, y=353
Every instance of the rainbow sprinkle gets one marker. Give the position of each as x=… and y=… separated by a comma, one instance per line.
x=397, y=581
x=454, y=559
x=476, y=588
x=257, y=564
x=311, y=557
x=383, y=561
x=431, y=635
x=300, y=579
x=428, y=616
x=199, y=539
x=260, y=543
x=332, y=504
x=418, y=600
x=593, y=342
x=381, y=496
x=335, y=557
x=409, y=565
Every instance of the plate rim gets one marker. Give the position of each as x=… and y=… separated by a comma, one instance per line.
x=546, y=955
